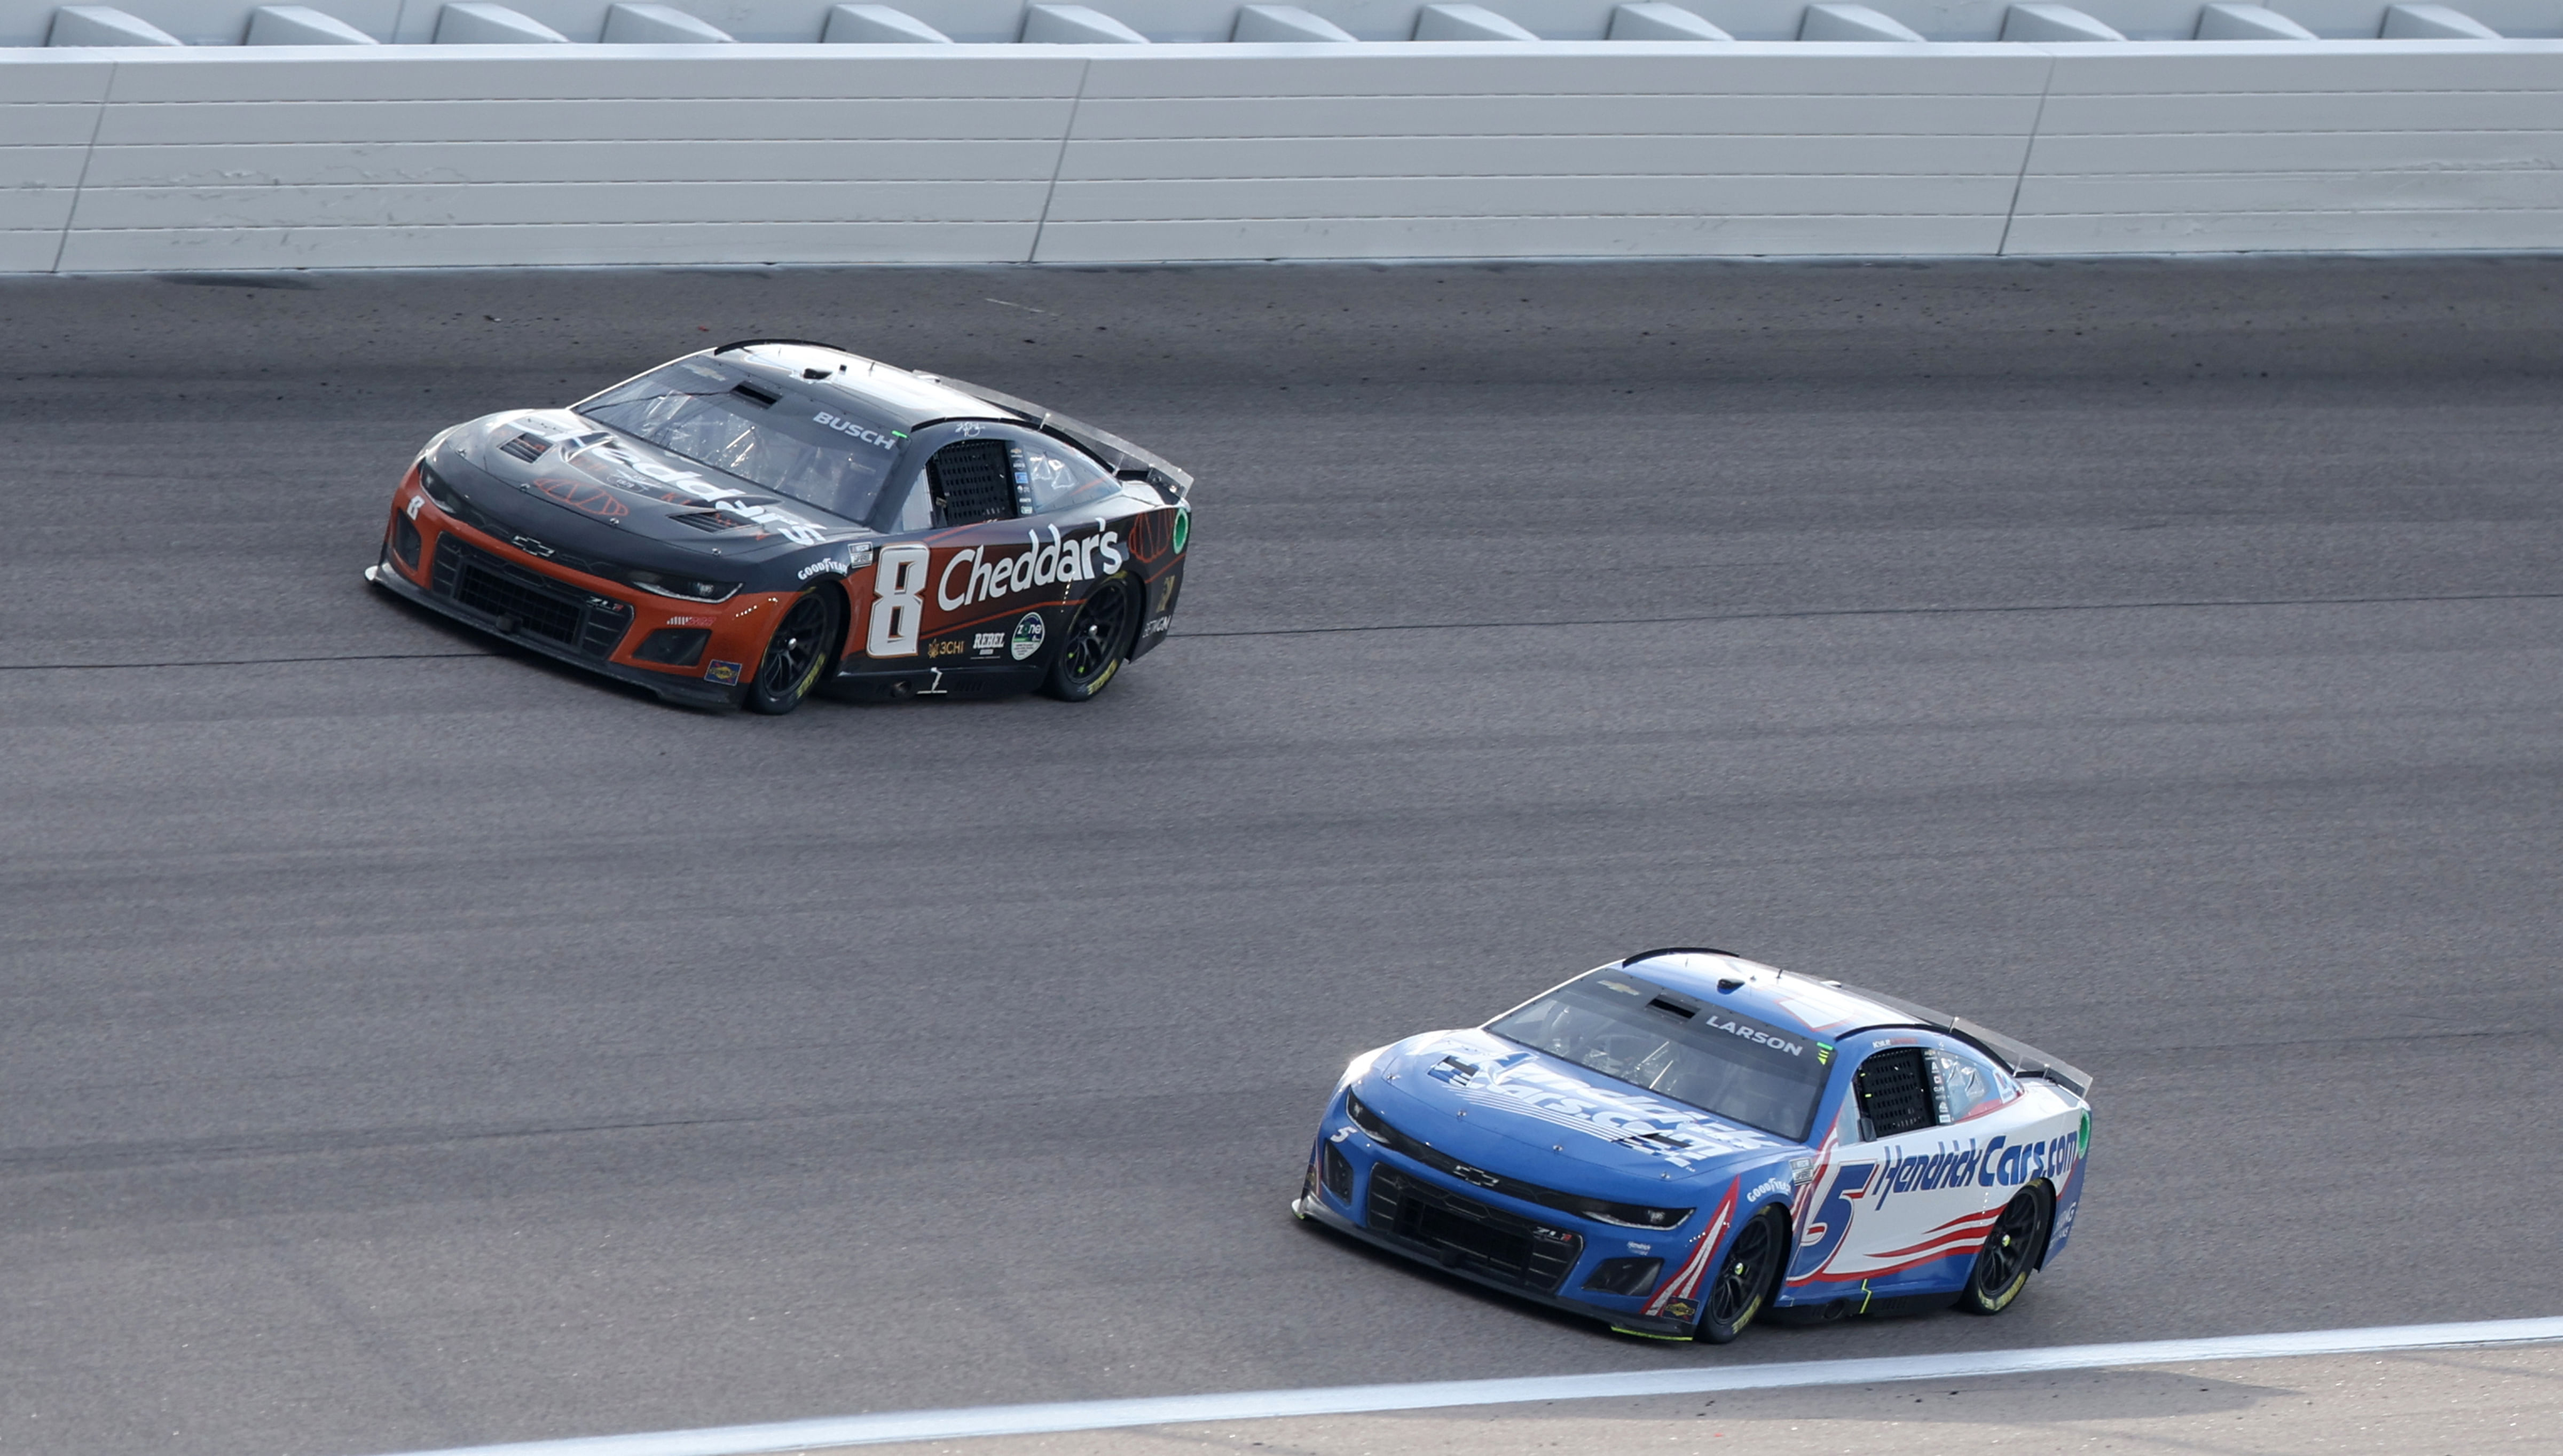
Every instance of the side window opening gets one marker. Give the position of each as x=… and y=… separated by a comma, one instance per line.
x=1894, y=1090
x=1051, y=477
x=1962, y=1083
x=971, y=481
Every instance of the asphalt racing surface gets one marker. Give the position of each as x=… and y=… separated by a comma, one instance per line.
x=407, y=1043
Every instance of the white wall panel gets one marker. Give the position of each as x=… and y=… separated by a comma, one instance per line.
x=555, y=203
x=494, y=156
x=1437, y=150
x=1365, y=117
x=1499, y=200
x=222, y=22
x=1539, y=237
x=261, y=164
x=50, y=106
x=746, y=73
x=637, y=123
x=418, y=246
x=2451, y=144
x=1176, y=159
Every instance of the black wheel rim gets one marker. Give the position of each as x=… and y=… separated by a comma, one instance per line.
x=2009, y=1247
x=1742, y=1278
x=795, y=648
x=1095, y=640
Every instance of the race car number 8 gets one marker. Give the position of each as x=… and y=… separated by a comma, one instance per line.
x=898, y=601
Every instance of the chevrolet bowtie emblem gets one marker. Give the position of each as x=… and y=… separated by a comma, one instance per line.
x=528, y=543
x=1476, y=1175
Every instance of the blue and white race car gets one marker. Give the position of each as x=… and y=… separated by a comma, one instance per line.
x=1676, y=1142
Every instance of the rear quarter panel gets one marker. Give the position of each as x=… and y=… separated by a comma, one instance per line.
x=996, y=594
x=1905, y=1215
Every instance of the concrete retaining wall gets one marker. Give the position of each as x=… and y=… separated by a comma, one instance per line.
x=226, y=22
x=457, y=156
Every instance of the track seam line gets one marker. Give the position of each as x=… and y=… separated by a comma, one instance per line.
x=1812, y=613
x=1097, y=1415
x=1818, y=612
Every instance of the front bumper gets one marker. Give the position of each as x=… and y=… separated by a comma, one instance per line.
x=692, y=691
x=1312, y=1206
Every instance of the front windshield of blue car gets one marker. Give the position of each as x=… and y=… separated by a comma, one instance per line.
x=825, y=453
x=1679, y=1046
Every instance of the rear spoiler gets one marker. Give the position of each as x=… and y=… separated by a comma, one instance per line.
x=1128, y=460
x=2018, y=1057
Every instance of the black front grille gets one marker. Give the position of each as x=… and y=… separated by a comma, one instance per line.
x=527, y=602
x=1466, y=1234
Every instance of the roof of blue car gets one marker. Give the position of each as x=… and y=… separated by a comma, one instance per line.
x=1765, y=992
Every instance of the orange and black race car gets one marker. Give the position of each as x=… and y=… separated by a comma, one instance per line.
x=772, y=518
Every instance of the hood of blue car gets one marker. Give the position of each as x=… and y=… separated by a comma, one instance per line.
x=1502, y=1106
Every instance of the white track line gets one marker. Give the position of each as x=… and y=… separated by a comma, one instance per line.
x=1096, y=1415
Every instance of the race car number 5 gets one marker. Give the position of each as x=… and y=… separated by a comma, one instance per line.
x=898, y=601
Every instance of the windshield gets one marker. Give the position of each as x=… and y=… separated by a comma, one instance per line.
x=1670, y=1042
x=824, y=454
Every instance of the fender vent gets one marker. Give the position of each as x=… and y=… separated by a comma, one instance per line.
x=1338, y=1174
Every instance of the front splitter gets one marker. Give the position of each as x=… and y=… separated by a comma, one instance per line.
x=1651, y=1327
x=685, y=692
